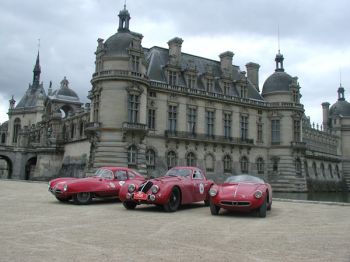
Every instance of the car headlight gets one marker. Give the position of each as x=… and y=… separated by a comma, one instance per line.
x=65, y=187
x=213, y=192
x=49, y=185
x=131, y=188
x=258, y=194
x=155, y=189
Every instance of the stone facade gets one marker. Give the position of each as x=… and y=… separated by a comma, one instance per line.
x=154, y=108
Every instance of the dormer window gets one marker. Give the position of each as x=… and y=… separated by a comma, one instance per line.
x=209, y=85
x=244, y=91
x=295, y=94
x=172, y=78
x=226, y=88
x=191, y=81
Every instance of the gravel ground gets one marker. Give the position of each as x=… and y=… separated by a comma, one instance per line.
x=34, y=226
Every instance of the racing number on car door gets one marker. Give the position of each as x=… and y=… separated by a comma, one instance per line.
x=198, y=185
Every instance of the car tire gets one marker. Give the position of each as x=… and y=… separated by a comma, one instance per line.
x=174, y=201
x=82, y=198
x=206, y=202
x=214, y=209
x=129, y=205
x=262, y=209
x=269, y=207
x=63, y=200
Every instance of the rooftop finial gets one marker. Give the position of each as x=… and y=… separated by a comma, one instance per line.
x=278, y=38
x=124, y=4
x=340, y=77
x=38, y=44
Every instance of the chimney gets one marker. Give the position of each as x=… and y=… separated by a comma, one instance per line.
x=175, y=50
x=325, y=109
x=226, y=61
x=253, y=74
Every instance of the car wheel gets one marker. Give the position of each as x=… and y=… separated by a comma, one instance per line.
x=214, y=209
x=129, y=205
x=262, y=209
x=206, y=202
x=269, y=207
x=174, y=201
x=82, y=198
x=63, y=200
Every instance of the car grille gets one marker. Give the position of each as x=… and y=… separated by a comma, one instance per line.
x=235, y=203
x=145, y=186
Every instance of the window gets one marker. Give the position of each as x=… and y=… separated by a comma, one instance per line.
x=96, y=105
x=260, y=165
x=227, y=125
x=132, y=156
x=295, y=94
x=244, y=127
x=210, y=123
x=259, y=128
x=197, y=174
x=172, y=78
x=3, y=138
x=275, y=164
x=150, y=158
x=135, y=63
x=226, y=88
x=16, y=129
x=72, y=130
x=298, y=166
x=330, y=170
x=209, y=163
x=209, y=85
x=191, y=120
x=322, y=170
x=81, y=129
x=151, y=118
x=244, y=164
x=152, y=94
x=172, y=118
x=133, y=108
x=191, y=81
x=121, y=175
x=314, y=169
x=337, y=171
x=191, y=159
x=244, y=91
x=297, y=130
x=227, y=163
x=171, y=159
x=275, y=131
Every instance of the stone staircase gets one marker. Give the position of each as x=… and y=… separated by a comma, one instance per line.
x=287, y=183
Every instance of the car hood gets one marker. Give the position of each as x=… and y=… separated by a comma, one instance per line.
x=167, y=179
x=239, y=190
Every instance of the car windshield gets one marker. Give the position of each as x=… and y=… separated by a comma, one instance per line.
x=104, y=173
x=179, y=172
x=244, y=178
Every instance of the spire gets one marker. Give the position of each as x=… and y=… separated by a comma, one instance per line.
x=279, y=57
x=124, y=18
x=36, y=71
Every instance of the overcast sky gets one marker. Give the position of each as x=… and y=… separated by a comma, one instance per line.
x=314, y=39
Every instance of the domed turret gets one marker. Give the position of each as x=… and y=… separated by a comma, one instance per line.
x=341, y=107
x=65, y=93
x=279, y=80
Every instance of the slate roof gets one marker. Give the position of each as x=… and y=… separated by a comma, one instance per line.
x=158, y=57
x=30, y=98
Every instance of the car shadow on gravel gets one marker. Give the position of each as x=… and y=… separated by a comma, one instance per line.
x=159, y=208
x=95, y=201
x=251, y=214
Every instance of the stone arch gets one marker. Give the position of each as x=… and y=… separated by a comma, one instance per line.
x=171, y=157
x=244, y=162
x=66, y=110
x=209, y=162
x=191, y=158
x=227, y=163
x=30, y=168
x=7, y=169
x=260, y=165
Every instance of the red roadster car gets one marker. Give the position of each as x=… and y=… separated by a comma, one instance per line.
x=241, y=193
x=180, y=185
x=106, y=182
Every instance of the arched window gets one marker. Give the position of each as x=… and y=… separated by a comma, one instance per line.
x=337, y=171
x=227, y=164
x=322, y=170
x=132, y=155
x=209, y=163
x=275, y=164
x=306, y=167
x=16, y=129
x=330, y=170
x=81, y=129
x=298, y=166
x=150, y=158
x=260, y=165
x=171, y=159
x=314, y=169
x=244, y=164
x=72, y=130
x=191, y=159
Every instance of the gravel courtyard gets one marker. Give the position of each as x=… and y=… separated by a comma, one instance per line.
x=34, y=226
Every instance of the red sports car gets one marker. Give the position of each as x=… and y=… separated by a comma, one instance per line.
x=241, y=193
x=106, y=182
x=180, y=185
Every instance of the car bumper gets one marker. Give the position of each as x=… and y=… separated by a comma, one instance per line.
x=59, y=192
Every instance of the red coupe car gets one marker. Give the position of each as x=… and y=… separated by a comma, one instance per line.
x=106, y=182
x=241, y=193
x=180, y=185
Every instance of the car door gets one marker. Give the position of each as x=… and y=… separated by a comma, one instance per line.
x=198, y=182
